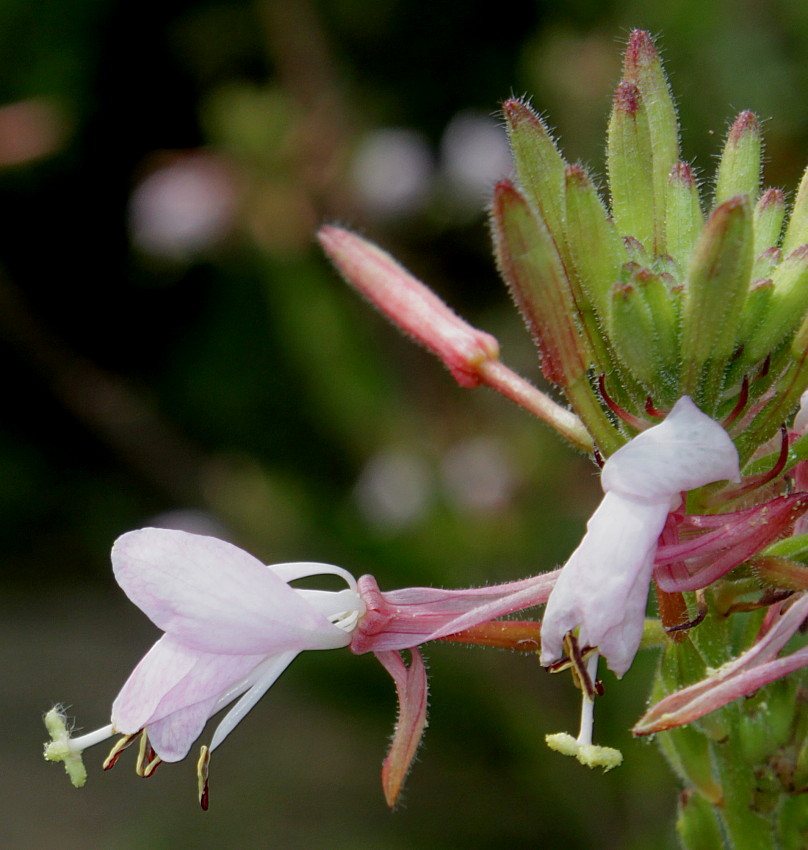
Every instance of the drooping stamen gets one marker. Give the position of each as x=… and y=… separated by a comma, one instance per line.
x=579, y=666
x=115, y=753
x=202, y=768
x=629, y=418
x=145, y=756
x=754, y=482
x=651, y=410
x=743, y=397
x=701, y=606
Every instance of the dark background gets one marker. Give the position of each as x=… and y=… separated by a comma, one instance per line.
x=209, y=370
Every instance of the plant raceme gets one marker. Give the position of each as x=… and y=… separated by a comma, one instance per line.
x=675, y=336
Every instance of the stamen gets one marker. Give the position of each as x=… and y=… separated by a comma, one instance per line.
x=145, y=756
x=115, y=753
x=202, y=767
x=582, y=748
x=701, y=602
x=629, y=418
x=651, y=410
x=743, y=397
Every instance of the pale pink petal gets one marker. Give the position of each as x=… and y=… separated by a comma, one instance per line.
x=686, y=451
x=603, y=588
x=411, y=690
x=215, y=597
x=170, y=678
x=173, y=736
x=757, y=666
x=401, y=619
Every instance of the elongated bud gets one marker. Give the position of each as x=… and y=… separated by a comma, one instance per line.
x=530, y=265
x=630, y=164
x=797, y=230
x=597, y=250
x=786, y=307
x=539, y=165
x=684, y=218
x=644, y=329
x=642, y=67
x=739, y=166
x=755, y=310
x=410, y=304
x=716, y=286
x=769, y=214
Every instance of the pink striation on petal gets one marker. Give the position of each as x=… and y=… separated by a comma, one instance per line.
x=702, y=559
x=402, y=619
x=177, y=687
x=756, y=667
x=214, y=597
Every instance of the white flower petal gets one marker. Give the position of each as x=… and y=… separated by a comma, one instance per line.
x=603, y=588
x=215, y=597
x=686, y=451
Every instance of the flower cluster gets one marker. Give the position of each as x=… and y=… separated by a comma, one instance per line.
x=678, y=338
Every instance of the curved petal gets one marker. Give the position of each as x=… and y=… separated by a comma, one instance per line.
x=215, y=597
x=686, y=451
x=170, y=678
x=603, y=588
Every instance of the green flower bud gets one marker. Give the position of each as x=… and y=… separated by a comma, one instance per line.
x=715, y=290
x=769, y=215
x=529, y=262
x=797, y=230
x=629, y=162
x=739, y=166
x=786, y=306
x=697, y=824
x=642, y=67
x=683, y=216
x=539, y=165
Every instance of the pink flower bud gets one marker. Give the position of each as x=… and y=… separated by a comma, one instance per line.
x=410, y=304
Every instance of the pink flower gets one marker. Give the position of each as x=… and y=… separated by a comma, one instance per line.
x=756, y=667
x=231, y=626
x=603, y=588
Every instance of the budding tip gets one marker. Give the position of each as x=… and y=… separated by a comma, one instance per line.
x=772, y=198
x=682, y=173
x=627, y=98
x=576, y=176
x=746, y=123
x=640, y=51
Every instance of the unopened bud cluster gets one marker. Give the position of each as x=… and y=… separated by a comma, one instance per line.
x=648, y=295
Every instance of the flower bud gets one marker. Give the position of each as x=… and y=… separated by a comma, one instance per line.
x=629, y=161
x=642, y=67
x=539, y=165
x=683, y=216
x=739, y=166
x=716, y=286
x=786, y=306
x=529, y=262
x=410, y=304
x=769, y=215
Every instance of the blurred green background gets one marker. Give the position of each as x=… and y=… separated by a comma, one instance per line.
x=177, y=352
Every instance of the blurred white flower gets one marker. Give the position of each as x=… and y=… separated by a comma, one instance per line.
x=183, y=207
x=392, y=171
